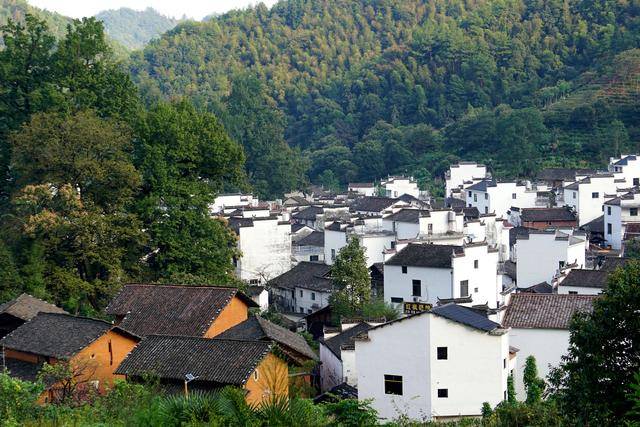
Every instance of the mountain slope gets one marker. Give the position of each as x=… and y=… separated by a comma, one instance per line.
x=133, y=29
x=17, y=9
x=366, y=85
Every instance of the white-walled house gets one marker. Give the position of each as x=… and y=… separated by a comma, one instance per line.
x=396, y=186
x=377, y=206
x=428, y=273
x=231, y=200
x=435, y=365
x=541, y=254
x=309, y=248
x=618, y=213
x=583, y=282
x=374, y=239
x=338, y=356
x=265, y=247
x=432, y=225
x=362, y=188
x=303, y=289
x=539, y=327
x=490, y=196
x=626, y=167
x=588, y=195
x=461, y=173
x=260, y=296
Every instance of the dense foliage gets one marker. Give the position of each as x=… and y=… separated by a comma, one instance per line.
x=375, y=87
x=134, y=28
x=17, y=10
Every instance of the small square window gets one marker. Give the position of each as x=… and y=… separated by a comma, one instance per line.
x=442, y=353
x=475, y=263
x=469, y=193
x=464, y=288
x=309, y=311
x=595, y=195
x=393, y=244
x=561, y=264
x=486, y=210
x=393, y=384
x=633, y=211
x=514, y=196
x=574, y=194
x=397, y=300
x=417, y=287
x=504, y=363
x=302, y=310
x=313, y=296
x=404, y=269
x=573, y=292
x=313, y=258
x=486, y=196
x=636, y=181
x=475, y=290
x=443, y=392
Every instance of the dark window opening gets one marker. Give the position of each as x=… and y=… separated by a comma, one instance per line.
x=464, y=288
x=393, y=384
x=417, y=288
x=442, y=353
x=443, y=392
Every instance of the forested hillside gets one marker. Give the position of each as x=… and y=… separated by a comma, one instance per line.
x=18, y=9
x=371, y=87
x=133, y=29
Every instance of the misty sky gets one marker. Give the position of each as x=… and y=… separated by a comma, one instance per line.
x=177, y=8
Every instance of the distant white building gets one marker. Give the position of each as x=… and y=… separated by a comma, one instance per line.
x=539, y=327
x=626, y=167
x=396, y=186
x=309, y=248
x=540, y=255
x=588, y=195
x=265, y=246
x=434, y=225
x=428, y=273
x=583, y=282
x=362, y=188
x=461, y=175
x=490, y=196
x=233, y=200
x=373, y=238
x=377, y=206
x=338, y=356
x=619, y=212
x=303, y=289
x=436, y=365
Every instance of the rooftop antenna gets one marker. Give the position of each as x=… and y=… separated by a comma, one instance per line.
x=187, y=379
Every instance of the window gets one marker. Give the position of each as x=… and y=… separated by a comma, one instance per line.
x=442, y=353
x=609, y=231
x=301, y=293
x=254, y=281
x=514, y=196
x=464, y=288
x=475, y=197
x=309, y=311
x=504, y=363
x=486, y=210
x=636, y=181
x=608, y=210
x=313, y=258
x=595, y=195
x=430, y=228
x=293, y=294
x=397, y=300
x=469, y=193
x=393, y=244
x=475, y=290
x=573, y=292
x=393, y=384
x=302, y=310
x=404, y=269
x=313, y=296
x=417, y=288
x=486, y=196
x=443, y=392
x=633, y=211
x=574, y=194
x=333, y=254
x=469, y=205
x=560, y=264
x=475, y=263
x=255, y=375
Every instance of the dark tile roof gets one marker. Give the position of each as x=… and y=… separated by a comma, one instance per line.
x=339, y=392
x=545, y=311
x=171, y=309
x=308, y=213
x=372, y=204
x=540, y=288
x=624, y=161
x=562, y=174
x=425, y=255
x=586, y=278
x=308, y=275
x=516, y=233
x=236, y=223
x=361, y=184
x=55, y=335
x=295, y=227
x=345, y=339
x=611, y=264
x=482, y=185
x=465, y=316
x=297, y=200
x=407, y=215
x=595, y=226
x=454, y=202
x=315, y=238
x=257, y=328
x=211, y=360
x=547, y=214
x=26, y=307
x=255, y=290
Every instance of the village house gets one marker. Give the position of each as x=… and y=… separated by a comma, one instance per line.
x=211, y=364
x=428, y=273
x=396, y=186
x=338, y=356
x=299, y=231
x=436, y=365
x=295, y=202
x=21, y=309
x=557, y=178
x=626, y=167
x=541, y=255
x=539, y=327
x=257, y=328
x=265, y=246
x=619, y=214
x=587, y=196
x=491, y=196
x=231, y=200
x=583, y=282
x=376, y=206
x=259, y=295
x=461, y=175
x=309, y=248
x=435, y=225
x=92, y=348
x=542, y=218
x=199, y=311
x=373, y=237
x=303, y=289
x=316, y=217
x=362, y=188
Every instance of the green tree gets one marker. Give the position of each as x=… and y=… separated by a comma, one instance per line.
x=186, y=158
x=350, y=277
x=593, y=382
x=511, y=391
x=10, y=280
x=533, y=385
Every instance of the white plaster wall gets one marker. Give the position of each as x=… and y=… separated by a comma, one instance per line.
x=374, y=246
x=262, y=299
x=546, y=345
x=398, y=187
x=435, y=282
x=406, y=230
x=349, y=372
x=484, y=278
x=333, y=240
x=590, y=208
x=305, y=304
x=365, y=191
x=304, y=253
x=330, y=369
x=266, y=250
x=580, y=290
x=460, y=173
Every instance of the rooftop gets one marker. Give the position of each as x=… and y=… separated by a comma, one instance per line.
x=308, y=275
x=345, y=339
x=26, y=307
x=547, y=214
x=315, y=238
x=426, y=255
x=372, y=204
x=545, y=311
x=586, y=278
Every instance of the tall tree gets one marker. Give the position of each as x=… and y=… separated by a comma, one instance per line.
x=350, y=277
x=533, y=385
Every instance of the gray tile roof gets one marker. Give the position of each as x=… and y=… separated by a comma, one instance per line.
x=216, y=361
x=624, y=161
x=26, y=307
x=540, y=288
x=308, y=275
x=482, y=185
x=55, y=335
x=425, y=255
x=408, y=215
x=465, y=316
x=315, y=238
x=562, y=174
x=547, y=214
x=171, y=309
x=345, y=339
x=372, y=204
x=586, y=278
x=545, y=311
x=257, y=328
x=308, y=213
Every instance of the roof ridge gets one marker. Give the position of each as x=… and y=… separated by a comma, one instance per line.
x=178, y=285
x=46, y=313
